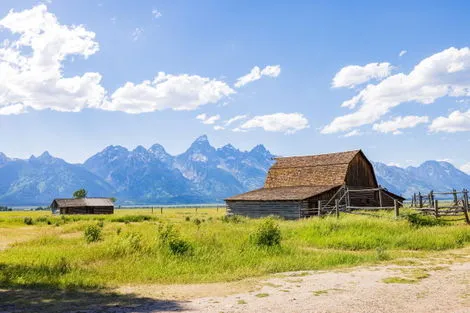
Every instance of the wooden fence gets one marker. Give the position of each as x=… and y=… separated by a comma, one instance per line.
x=345, y=200
x=438, y=204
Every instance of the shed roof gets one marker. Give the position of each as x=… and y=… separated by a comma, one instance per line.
x=313, y=170
x=84, y=202
x=282, y=193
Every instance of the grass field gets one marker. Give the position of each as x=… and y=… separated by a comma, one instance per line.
x=38, y=249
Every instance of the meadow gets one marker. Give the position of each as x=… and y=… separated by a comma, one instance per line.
x=38, y=249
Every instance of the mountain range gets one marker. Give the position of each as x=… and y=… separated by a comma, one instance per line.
x=202, y=174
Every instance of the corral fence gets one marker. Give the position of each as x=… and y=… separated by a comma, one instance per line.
x=355, y=201
x=438, y=204
x=160, y=208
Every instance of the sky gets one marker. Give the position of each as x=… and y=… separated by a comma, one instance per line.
x=301, y=77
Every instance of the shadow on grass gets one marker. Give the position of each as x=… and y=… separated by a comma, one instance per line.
x=48, y=295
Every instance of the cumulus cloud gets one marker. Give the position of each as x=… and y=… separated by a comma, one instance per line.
x=288, y=123
x=137, y=33
x=466, y=168
x=208, y=120
x=353, y=75
x=32, y=73
x=353, y=133
x=456, y=122
x=234, y=119
x=35, y=79
x=402, y=53
x=156, y=14
x=400, y=122
x=177, y=92
x=446, y=73
x=218, y=127
x=256, y=74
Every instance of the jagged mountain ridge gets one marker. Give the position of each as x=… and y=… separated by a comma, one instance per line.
x=202, y=174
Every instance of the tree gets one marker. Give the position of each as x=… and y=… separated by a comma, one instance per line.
x=113, y=199
x=79, y=194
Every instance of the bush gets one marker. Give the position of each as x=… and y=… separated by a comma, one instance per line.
x=179, y=246
x=419, y=220
x=170, y=238
x=92, y=233
x=268, y=234
x=100, y=224
x=28, y=220
x=133, y=218
x=187, y=218
x=236, y=219
x=197, y=222
x=128, y=244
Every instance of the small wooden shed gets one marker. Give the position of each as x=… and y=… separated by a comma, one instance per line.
x=83, y=206
x=295, y=186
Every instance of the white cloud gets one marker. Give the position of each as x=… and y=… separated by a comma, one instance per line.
x=446, y=73
x=288, y=123
x=177, y=92
x=353, y=75
x=218, y=127
x=466, y=168
x=256, y=74
x=35, y=79
x=402, y=53
x=137, y=33
x=400, y=122
x=156, y=14
x=456, y=122
x=353, y=133
x=394, y=164
x=208, y=120
x=234, y=119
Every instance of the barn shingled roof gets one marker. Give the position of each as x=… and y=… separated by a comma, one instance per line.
x=282, y=193
x=84, y=202
x=302, y=177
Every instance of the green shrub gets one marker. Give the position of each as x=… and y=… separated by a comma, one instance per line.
x=187, y=218
x=170, y=238
x=92, y=233
x=179, y=246
x=133, y=219
x=419, y=220
x=28, y=220
x=197, y=222
x=268, y=234
x=128, y=244
x=236, y=219
x=100, y=224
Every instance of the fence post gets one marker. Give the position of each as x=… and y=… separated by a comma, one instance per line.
x=431, y=198
x=420, y=199
x=152, y=210
x=465, y=206
x=337, y=207
x=196, y=209
x=436, y=208
x=454, y=193
x=397, y=210
x=319, y=207
x=161, y=210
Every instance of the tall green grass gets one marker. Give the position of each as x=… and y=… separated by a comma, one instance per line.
x=134, y=249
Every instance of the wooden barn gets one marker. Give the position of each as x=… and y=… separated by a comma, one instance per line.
x=303, y=186
x=83, y=206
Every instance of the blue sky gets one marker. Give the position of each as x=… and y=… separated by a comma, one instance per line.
x=311, y=57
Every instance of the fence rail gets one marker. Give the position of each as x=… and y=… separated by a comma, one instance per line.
x=457, y=204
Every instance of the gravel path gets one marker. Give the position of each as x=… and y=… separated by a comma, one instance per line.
x=430, y=287
x=446, y=289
